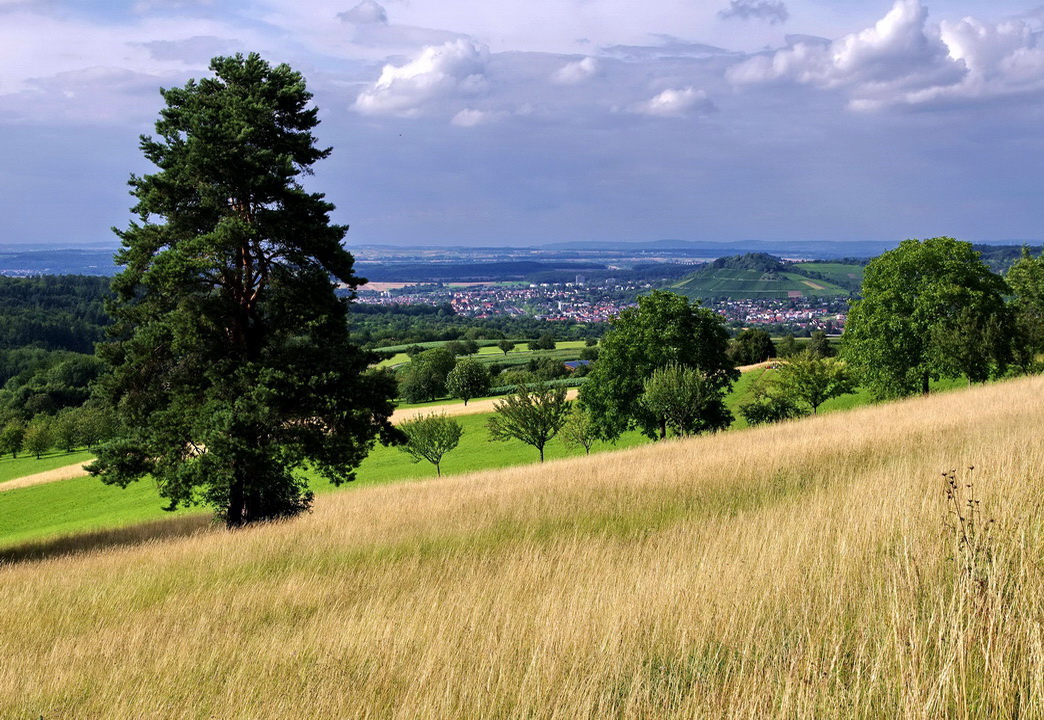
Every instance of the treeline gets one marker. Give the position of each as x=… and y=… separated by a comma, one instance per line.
x=56, y=312
x=381, y=325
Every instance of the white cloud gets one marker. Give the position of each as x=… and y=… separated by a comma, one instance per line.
x=469, y=117
x=575, y=72
x=452, y=69
x=903, y=59
x=365, y=13
x=674, y=103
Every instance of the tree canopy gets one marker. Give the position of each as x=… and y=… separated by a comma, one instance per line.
x=430, y=437
x=685, y=401
x=1026, y=278
x=665, y=328
x=533, y=415
x=918, y=300
x=231, y=362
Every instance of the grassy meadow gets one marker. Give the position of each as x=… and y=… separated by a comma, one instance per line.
x=809, y=569
x=34, y=516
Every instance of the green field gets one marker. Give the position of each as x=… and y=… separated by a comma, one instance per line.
x=848, y=276
x=564, y=350
x=711, y=282
x=85, y=504
x=11, y=468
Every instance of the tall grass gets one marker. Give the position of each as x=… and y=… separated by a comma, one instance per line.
x=810, y=569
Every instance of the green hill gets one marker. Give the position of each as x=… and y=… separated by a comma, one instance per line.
x=710, y=281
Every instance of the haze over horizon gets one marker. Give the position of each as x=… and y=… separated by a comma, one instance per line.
x=463, y=123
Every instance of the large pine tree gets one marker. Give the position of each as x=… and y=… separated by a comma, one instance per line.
x=232, y=366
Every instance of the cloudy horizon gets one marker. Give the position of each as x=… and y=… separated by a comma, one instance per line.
x=579, y=120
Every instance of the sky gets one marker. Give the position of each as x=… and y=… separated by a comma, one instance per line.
x=482, y=122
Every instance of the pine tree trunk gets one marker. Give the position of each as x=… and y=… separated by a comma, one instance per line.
x=234, y=516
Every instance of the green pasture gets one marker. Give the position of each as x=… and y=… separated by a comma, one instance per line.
x=564, y=350
x=842, y=274
x=85, y=504
x=11, y=468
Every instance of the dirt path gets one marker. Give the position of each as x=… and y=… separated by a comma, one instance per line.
x=62, y=473
x=472, y=408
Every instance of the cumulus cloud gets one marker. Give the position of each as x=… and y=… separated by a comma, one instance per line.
x=367, y=12
x=674, y=103
x=899, y=55
x=903, y=59
x=452, y=69
x=772, y=11
x=575, y=72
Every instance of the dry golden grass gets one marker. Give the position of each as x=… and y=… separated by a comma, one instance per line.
x=802, y=570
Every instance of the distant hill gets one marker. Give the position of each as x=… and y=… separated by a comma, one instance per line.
x=757, y=276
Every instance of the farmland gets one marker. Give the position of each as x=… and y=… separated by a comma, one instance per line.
x=713, y=282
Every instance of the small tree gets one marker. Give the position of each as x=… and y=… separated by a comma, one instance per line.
x=787, y=346
x=579, y=430
x=532, y=415
x=813, y=379
x=96, y=423
x=590, y=342
x=456, y=347
x=12, y=437
x=820, y=346
x=65, y=429
x=1026, y=278
x=38, y=436
x=468, y=379
x=768, y=403
x=684, y=400
x=506, y=346
x=430, y=437
x=752, y=346
x=424, y=378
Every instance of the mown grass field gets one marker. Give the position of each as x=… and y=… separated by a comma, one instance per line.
x=801, y=570
x=24, y=464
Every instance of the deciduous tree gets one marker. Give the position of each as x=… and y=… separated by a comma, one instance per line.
x=532, y=415
x=578, y=430
x=813, y=379
x=232, y=367
x=752, y=346
x=665, y=328
x=468, y=379
x=913, y=297
x=684, y=400
x=430, y=437
x=1026, y=278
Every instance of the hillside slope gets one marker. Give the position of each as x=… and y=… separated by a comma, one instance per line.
x=802, y=570
x=753, y=284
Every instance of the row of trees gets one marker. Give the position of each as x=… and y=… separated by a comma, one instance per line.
x=83, y=426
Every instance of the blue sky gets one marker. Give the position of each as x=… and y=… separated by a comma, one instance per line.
x=492, y=123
